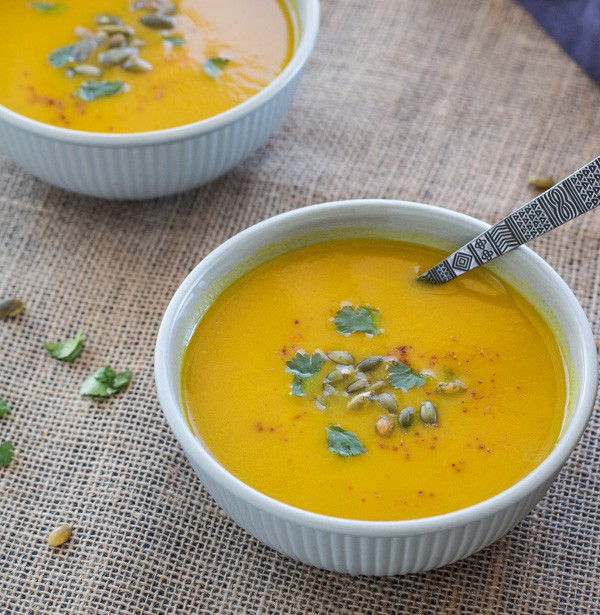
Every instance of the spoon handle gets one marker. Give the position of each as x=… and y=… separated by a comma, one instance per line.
x=571, y=197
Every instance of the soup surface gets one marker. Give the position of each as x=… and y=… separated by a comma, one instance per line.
x=476, y=364
x=93, y=65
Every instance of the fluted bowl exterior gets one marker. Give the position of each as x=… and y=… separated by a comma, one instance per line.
x=163, y=162
x=376, y=547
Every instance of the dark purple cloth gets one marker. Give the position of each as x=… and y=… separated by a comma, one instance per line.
x=575, y=25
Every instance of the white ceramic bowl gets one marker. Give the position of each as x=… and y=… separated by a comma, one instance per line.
x=375, y=547
x=161, y=162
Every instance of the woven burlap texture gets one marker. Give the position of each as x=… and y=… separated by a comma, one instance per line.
x=450, y=102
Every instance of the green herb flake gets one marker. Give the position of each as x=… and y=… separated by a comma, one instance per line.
x=47, y=7
x=92, y=90
x=61, y=56
x=343, y=443
x=401, y=376
x=303, y=366
x=105, y=382
x=213, y=67
x=6, y=453
x=68, y=350
x=306, y=365
x=361, y=319
x=4, y=408
x=175, y=39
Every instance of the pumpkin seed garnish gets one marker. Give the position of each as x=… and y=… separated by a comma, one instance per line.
x=370, y=363
x=83, y=49
x=378, y=386
x=384, y=426
x=136, y=64
x=358, y=401
x=451, y=388
x=118, y=29
x=406, y=416
x=11, y=307
x=82, y=32
x=114, y=57
x=158, y=21
x=358, y=385
x=59, y=535
x=108, y=20
x=320, y=402
x=388, y=401
x=428, y=412
x=328, y=389
x=341, y=357
x=335, y=376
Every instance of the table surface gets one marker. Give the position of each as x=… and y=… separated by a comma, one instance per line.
x=449, y=102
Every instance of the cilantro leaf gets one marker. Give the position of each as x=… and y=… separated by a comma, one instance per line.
x=342, y=442
x=6, y=453
x=48, y=7
x=177, y=40
x=304, y=364
x=61, y=56
x=298, y=385
x=105, y=382
x=68, y=350
x=213, y=67
x=401, y=376
x=4, y=408
x=351, y=320
x=92, y=90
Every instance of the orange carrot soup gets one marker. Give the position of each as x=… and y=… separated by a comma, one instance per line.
x=330, y=379
x=139, y=65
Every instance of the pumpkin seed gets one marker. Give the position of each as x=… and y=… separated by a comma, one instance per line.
x=341, y=357
x=83, y=49
x=114, y=57
x=117, y=40
x=370, y=363
x=82, y=32
x=378, y=386
x=87, y=70
x=158, y=21
x=59, y=535
x=428, y=413
x=335, y=376
x=358, y=385
x=358, y=401
x=136, y=64
x=384, y=426
x=328, y=389
x=107, y=20
x=118, y=29
x=451, y=388
x=11, y=307
x=388, y=401
x=406, y=416
x=320, y=402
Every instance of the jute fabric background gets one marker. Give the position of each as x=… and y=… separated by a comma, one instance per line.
x=450, y=102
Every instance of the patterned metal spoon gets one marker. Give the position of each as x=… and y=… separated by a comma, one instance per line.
x=569, y=198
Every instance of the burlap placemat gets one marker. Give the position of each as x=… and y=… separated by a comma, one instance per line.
x=450, y=102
